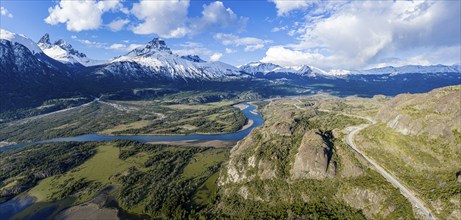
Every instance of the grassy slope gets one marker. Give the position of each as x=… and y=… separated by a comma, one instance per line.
x=420, y=163
x=427, y=159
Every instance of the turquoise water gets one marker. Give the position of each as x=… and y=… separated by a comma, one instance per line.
x=257, y=121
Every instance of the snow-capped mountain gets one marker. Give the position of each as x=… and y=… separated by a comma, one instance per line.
x=65, y=53
x=20, y=55
x=155, y=59
x=20, y=39
x=258, y=67
x=27, y=75
x=410, y=69
x=255, y=68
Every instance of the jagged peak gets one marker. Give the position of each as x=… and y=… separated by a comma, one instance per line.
x=153, y=46
x=45, y=39
x=158, y=43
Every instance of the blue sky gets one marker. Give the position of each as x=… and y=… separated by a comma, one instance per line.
x=329, y=35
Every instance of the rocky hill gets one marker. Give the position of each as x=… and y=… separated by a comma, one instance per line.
x=297, y=166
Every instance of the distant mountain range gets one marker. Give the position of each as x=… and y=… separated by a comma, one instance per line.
x=155, y=59
x=29, y=69
x=255, y=68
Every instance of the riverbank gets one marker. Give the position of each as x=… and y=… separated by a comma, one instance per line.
x=199, y=143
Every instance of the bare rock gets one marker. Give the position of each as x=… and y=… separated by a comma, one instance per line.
x=312, y=160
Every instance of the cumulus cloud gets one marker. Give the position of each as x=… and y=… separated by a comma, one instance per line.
x=215, y=56
x=250, y=43
x=229, y=50
x=284, y=6
x=217, y=15
x=5, y=12
x=169, y=19
x=80, y=15
x=164, y=18
x=363, y=33
x=118, y=24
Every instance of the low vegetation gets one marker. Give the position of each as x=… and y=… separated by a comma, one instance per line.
x=24, y=168
x=158, y=180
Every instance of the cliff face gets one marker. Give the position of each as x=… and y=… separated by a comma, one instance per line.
x=313, y=159
x=297, y=159
x=435, y=114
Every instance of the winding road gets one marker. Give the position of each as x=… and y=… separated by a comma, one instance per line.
x=404, y=190
x=353, y=130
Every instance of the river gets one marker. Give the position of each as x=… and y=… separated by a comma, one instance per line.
x=249, y=113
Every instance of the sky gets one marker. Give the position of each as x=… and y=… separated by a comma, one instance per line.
x=332, y=35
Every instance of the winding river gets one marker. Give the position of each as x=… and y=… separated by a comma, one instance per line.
x=249, y=113
x=14, y=206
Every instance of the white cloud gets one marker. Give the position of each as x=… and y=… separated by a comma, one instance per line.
x=253, y=47
x=277, y=29
x=189, y=44
x=164, y=18
x=250, y=43
x=169, y=19
x=229, y=50
x=288, y=57
x=117, y=25
x=285, y=6
x=124, y=47
x=131, y=47
x=364, y=33
x=5, y=12
x=217, y=15
x=215, y=56
x=79, y=15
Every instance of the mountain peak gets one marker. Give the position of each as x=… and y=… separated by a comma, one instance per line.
x=63, y=52
x=152, y=47
x=45, y=39
x=158, y=43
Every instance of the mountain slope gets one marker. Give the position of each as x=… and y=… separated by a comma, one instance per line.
x=27, y=74
x=418, y=139
x=155, y=60
x=65, y=53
